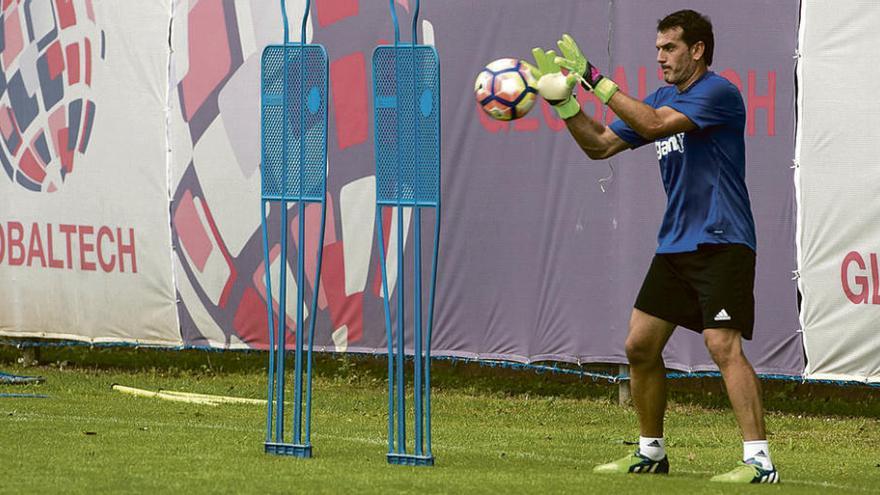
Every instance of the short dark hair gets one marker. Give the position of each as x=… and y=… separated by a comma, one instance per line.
x=695, y=27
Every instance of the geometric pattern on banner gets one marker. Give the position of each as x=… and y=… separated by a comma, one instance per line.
x=47, y=110
x=218, y=243
x=504, y=178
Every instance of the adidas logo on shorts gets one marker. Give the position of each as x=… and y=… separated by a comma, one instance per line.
x=722, y=316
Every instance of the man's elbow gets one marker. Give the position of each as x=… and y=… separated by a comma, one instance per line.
x=597, y=154
x=654, y=132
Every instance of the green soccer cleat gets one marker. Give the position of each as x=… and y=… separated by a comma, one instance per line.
x=635, y=463
x=749, y=471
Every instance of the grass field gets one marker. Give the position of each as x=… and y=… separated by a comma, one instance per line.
x=495, y=431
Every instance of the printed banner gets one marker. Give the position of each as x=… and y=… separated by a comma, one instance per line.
x=84, y=235
x=838, y=173
x=541, y=251
x=537, y=263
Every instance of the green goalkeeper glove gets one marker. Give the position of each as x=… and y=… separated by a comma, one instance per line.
x=552, y=85
x=575, y=61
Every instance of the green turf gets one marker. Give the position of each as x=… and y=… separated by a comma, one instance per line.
x=495, y=431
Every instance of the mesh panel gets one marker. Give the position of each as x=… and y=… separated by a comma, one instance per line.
x=407, y=125
x=314, y=109
x=273, y=161
x=302, y=176
x=272, y=116
x=273, y=82
x=294, y=132
x=428, y=113
x=385, y=108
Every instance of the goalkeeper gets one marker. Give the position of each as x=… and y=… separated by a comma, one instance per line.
x=702, y=275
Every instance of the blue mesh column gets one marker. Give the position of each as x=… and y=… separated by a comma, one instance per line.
x=406, y=96
x=294, y=90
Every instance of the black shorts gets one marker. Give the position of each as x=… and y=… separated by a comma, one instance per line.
x=712, y=287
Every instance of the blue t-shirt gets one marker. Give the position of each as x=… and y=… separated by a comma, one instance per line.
x=703, y=170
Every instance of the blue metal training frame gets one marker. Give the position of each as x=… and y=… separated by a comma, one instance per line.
x=294, y=170
x=406, y=98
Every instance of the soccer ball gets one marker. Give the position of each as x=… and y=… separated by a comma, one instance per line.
x=505, y=89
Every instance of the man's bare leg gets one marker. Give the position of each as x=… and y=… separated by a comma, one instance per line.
x=743, y=386
x=744, y=391
x=644, y=350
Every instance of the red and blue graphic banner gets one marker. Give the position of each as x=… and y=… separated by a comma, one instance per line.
x=84, y=235
x=542, y=250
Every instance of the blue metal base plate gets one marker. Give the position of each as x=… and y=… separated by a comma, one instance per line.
x=288, y=449
x=410, y=460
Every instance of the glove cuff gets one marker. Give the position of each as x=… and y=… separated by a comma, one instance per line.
x=605, y=89
x=568, y=109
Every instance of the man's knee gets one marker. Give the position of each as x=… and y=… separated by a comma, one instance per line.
x=641, y=350
x=724, y=345
x=647, y=337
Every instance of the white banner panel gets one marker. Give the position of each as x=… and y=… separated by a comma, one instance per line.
x=84, y=215
x=214, y=123
x=838, y=177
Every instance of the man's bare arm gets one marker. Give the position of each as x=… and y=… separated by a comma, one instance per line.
x=596, y=139
x=648, y=122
